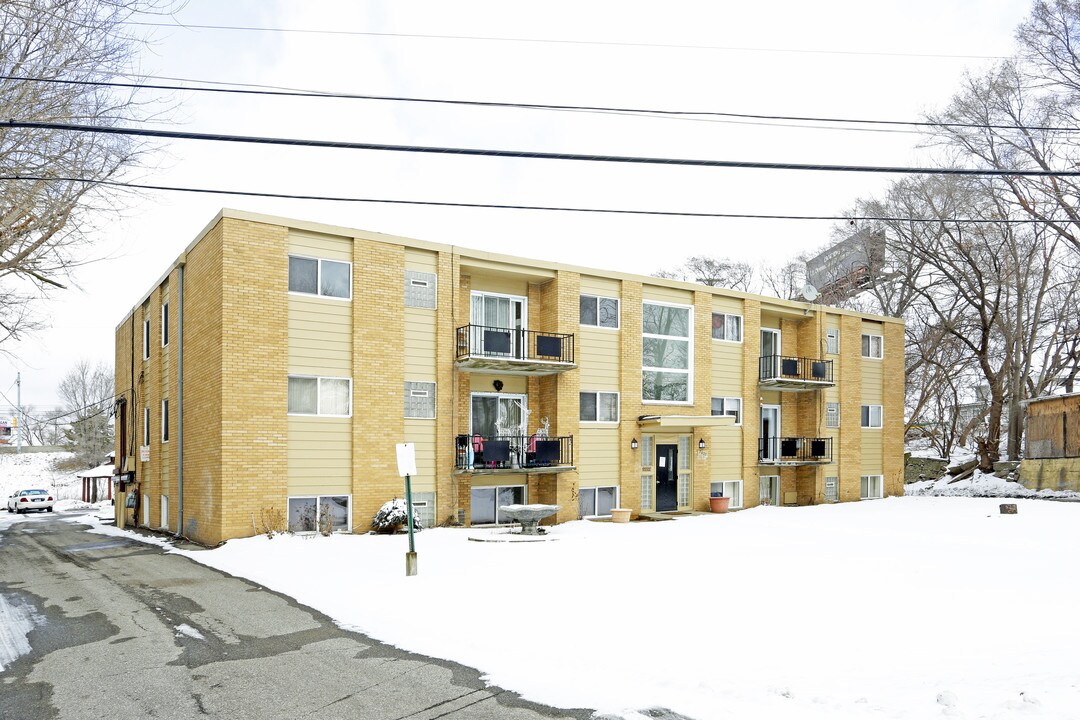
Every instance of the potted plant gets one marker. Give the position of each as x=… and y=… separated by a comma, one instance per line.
x=718, y=503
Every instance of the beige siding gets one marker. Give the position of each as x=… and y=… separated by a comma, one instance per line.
x=592, y=285
x=727, y=369
x=871, y=452
x=420, y=333
x=482, y=382
x=320, y=336
x=319, y=455
x=725, y=453
x=596, y=454
x=871, y=381
x=503, y=285
x=421, y=261
x=725, y=304
x=668, y=295
x=422, y=433
x=320, y=246
x=598, y=358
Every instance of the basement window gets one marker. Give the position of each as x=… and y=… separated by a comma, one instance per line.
x=597, y=501
x=305, y=513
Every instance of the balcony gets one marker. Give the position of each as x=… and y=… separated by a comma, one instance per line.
x=797, y=374
x=514, y=454
x=794, y=451
x=510, y=351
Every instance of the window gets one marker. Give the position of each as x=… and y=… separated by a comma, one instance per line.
x=729, y=489
x=728, y=406
x=146, y=339
x=647, y=453
x=646, y=492
x=599, y=311
x=599, y=407
x=832, y=489
x=307, y=514
x=598, y=501
x=870, y=487
x=871, y=416
x=665, y=353
x=165, y=421
x=424, y=508
x=769, y=490
x=832, y=415
x=872, y=346
x=727, y=327
x=329, y=278
x=146, y=427
x=165, y=512
x=420, y=289
x=165, y=325
x=832, y=341
x=486, y=501
x=320, y=396
x=420, y=400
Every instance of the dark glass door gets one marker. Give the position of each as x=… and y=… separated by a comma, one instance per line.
x=667, y=478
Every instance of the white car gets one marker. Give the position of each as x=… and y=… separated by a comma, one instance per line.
x=26, y=500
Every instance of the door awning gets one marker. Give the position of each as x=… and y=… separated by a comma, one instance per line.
x=684, y=421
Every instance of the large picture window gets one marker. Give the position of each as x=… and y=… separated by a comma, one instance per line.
x=320, y=396
x=313, y=276
x=307, y=514
x=666, y=351
x=599, y=311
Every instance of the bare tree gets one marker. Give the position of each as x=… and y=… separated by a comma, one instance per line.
x=50, y=180
x=715, y=272
x=87, y=394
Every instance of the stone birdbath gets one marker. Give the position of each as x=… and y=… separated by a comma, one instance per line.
x=528, y=515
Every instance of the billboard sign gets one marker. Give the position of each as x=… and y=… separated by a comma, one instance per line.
x=849, y=264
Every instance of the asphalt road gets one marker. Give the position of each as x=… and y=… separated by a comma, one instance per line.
x=122, y=630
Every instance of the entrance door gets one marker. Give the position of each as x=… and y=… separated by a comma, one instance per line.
x=770, y=490
x=667, y=478
x=770, y=432
x=770, y=348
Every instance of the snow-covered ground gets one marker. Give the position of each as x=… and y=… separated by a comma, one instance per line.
x=21, y=471
x=906, y=608
x=982, y=485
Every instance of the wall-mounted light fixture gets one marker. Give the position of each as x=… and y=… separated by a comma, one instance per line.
x=498, y=385
x=701, y=444
x=633, y=443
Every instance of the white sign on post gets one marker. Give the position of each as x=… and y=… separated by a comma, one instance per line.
x=406, y=459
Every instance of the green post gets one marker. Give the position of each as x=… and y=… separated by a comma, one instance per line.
x=410, y=557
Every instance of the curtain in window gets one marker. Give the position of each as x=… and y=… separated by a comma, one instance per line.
x=334, y=397
x=302, y=395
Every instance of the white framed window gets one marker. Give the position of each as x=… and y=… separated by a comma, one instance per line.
x=146, y=339
x=146, y=510
x=728, y=406
x=420, y=289
x=769, y=490
x=320, y=396
x=726, y=326
x=597, y=501
x=308, y=512
x=146, y=427
x=832, y=341
x=316, y=276
x=484, y=503
x=165, y=512
x=873, y=346
x=165, y=325
x=832, y=415
x=729, y=489
x=165, y=420
x=666, y=353
x=870, y=487
x=420, y=400
x=599, y=407
x=871, y=416
x=599, y=311
x=832, y=489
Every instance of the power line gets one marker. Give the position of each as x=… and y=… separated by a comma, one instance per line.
x=534, y=155
x=557, y=41
x=686, y=114
x=547, y=208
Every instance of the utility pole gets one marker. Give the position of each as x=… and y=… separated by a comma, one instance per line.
x=18, y=412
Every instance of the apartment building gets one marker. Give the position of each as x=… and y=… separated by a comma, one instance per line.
x=276, y=364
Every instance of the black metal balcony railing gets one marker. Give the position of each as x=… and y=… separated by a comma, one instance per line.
x=794, y=450
x=514, y=344
x=799, y=369
x=513, y=452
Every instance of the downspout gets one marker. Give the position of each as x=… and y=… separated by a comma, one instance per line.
x=180, y=402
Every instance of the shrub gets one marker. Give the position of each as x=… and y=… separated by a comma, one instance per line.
x=392, y=517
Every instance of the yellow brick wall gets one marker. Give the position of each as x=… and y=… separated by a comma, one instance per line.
x=751, y=402
x=850, y=374
x=892, y=430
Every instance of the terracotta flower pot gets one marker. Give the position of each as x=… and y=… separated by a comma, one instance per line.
x=719, y=504
x=620, y=515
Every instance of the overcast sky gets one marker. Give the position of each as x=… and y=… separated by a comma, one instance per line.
x=876, y=60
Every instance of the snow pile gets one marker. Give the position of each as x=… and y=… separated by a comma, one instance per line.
x=903, y=608
x=22, y=471
x=981, y=485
